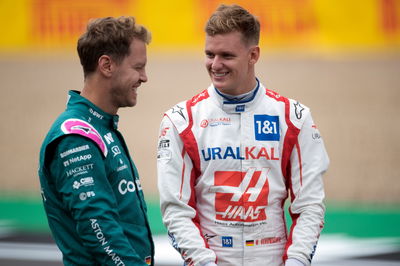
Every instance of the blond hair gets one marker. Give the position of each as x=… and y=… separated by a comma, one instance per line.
x=230, y=18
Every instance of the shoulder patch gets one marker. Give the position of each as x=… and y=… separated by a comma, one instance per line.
x=199, y=97
x=274, y=95
x=83, y=128
x=179, y=116
x=177, y=109
x=298, y=112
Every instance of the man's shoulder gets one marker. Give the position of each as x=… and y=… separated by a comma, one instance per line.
x=69, y=124
x=294, y=110
x=182, y=110
x=181, y=114
x=178, y=113
x=199, y=97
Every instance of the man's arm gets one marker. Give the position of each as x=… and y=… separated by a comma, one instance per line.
x=309, y=161
x=81, y=181
x=178, y=198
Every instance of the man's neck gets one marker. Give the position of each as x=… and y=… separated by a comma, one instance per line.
x=97, y=95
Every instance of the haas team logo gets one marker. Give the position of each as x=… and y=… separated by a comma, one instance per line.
x=241, y=196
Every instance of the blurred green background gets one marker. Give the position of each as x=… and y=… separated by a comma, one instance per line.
x=26, y=214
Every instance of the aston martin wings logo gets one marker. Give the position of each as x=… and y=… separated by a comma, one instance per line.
x=87, y=130
x=178, y=109
x=83, y=128
x=298, y=109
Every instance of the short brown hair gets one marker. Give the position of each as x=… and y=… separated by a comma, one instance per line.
x=229, y=18
x=108, y=36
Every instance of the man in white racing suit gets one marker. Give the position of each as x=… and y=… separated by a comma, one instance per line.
x=229, y=158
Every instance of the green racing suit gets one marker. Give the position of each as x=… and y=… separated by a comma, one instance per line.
x=91, y=190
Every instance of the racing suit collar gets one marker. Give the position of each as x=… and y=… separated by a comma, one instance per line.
x=91, y=111
x=232, y=107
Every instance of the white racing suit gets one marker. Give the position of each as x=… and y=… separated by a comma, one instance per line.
x=225, y=170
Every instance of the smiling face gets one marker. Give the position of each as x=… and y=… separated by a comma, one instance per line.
x=230, y=62
x=128, y=76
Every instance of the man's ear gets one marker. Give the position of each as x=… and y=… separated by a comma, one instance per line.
x=254, y=54
x=106, y=65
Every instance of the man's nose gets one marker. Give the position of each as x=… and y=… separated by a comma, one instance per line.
x=216, y=63
x=143, y=76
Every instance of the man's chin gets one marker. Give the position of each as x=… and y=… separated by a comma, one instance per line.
x=133, y=100
x=219, y=84
x=130, y=103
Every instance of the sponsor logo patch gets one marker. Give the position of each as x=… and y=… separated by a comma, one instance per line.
x=315, y=133
x=125, y=186
x=79, y=170
x=203, y=95
x=179, y=110
x=77, y=159
x=250, y=153
x=122, y=167
x=163, y=143
x=241, y=196
x=74, y=150
x=115, y=150
x=163, y=151
x=109, y=138
x=96, y=114
x=298, y=109
x=104, y=243
x=84, y=195
x=213, y=122
x=227, y=241
x=80, y=127
x=267, y=241
x=164, y=131
x=240, y=108
x=273, y=94
x=266, y=128
x=86, y=181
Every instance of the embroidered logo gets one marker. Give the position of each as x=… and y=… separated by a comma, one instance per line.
x=241, y=196
x=80, y=127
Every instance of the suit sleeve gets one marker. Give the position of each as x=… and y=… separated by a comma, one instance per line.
x=177, y=197
x=82, y=184
x=309, y=161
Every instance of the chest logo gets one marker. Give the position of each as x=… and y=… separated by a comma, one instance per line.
x=109, y=138
x=115, y=150
x=266, y=128
x=241, y=196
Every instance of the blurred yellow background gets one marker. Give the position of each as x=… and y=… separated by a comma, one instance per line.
x=341, y=58
x=315, y=25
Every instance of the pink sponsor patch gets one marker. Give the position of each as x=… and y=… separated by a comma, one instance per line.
x=80, y=127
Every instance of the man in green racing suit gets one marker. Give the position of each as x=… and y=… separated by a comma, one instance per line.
x=90, y=186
